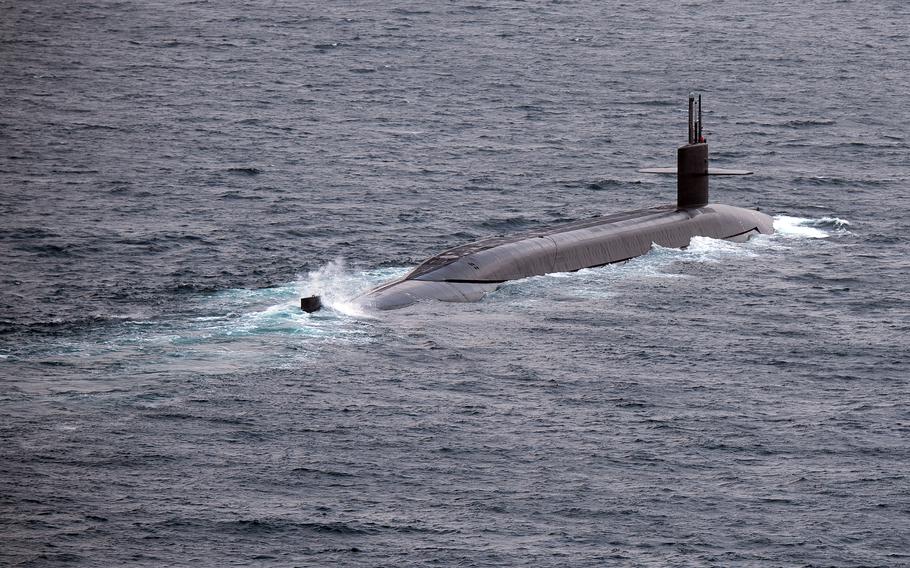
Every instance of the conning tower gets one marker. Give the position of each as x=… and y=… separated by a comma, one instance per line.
x=692, y=163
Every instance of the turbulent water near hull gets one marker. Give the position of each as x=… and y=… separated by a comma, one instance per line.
x=174, y=176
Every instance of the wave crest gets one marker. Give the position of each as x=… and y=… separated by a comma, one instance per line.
x=801, y=227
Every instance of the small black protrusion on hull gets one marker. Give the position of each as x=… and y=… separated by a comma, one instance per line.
x=310, y=304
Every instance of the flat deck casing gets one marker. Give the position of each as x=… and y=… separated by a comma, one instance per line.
x=467, y=272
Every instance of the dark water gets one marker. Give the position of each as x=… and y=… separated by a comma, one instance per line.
x=173, y=175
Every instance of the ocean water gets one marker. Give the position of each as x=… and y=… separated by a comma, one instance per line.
x=175, y=175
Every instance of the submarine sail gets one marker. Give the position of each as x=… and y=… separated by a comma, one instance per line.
x=468, y=272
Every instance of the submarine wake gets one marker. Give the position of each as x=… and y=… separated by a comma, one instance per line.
x=231, y=329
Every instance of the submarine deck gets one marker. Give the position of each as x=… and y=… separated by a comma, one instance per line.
x=467, y=272
x=453, y=254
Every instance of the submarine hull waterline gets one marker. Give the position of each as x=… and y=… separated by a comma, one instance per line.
x=468, y=272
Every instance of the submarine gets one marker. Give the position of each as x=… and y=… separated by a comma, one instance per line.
x=468, y=272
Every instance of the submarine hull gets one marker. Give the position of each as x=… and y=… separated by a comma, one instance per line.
x=468, y=272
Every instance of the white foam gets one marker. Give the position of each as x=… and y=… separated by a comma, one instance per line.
x=829, y=222
x=703, y=249
x=801, y=227
x=239, y=321
x=337, y=285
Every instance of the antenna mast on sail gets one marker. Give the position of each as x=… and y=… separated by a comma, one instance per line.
x=695, y=132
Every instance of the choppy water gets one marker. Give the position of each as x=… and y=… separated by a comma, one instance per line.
x=174, y=175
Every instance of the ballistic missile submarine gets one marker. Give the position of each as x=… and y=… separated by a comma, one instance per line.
x=468, y=272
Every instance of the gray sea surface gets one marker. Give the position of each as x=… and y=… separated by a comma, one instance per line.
x=174, y=175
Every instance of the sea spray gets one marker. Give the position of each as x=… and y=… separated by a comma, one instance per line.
x=336, y=284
